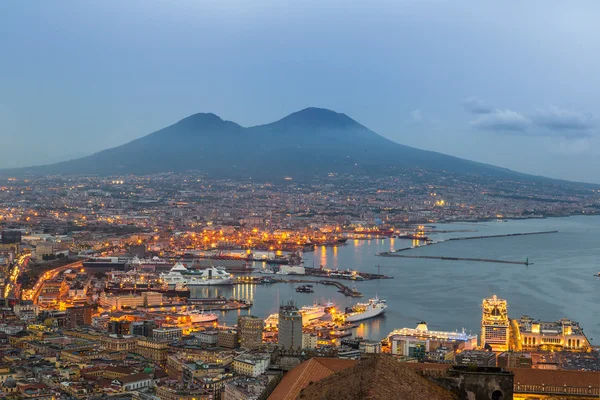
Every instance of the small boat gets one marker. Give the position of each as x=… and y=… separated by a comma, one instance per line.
x=304, y=289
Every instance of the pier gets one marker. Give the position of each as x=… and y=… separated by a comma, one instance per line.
x=392, y=253
x=526, y=262
x=504, y=235
x=345, y=290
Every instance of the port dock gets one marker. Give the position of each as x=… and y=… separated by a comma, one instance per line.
x=345, y=290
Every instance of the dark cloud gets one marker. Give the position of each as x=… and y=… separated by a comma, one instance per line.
x=475, y=105
x=502, y=121
x=558, y=119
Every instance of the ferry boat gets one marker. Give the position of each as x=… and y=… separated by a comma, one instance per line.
x=210, y=276
x=309, y=314
x=363, y=311
x=197, y=316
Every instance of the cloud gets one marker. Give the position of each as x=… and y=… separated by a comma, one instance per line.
x=502, y=121
x=552, y=121
x=417, y=115
x=475, y=105
x=558, y=119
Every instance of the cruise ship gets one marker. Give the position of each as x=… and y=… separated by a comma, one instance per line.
x=363, y=311
x=210, y=276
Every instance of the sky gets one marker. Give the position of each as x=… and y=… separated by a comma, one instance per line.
x=512, y=83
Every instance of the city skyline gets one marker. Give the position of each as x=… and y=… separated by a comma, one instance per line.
x=506, y=80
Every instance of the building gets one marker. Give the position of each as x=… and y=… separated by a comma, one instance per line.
x=245, y=388
x=228, y=338
x=511, y=359
x=309, y=341
x=133, y=382
x=11, y=237
x=251, y=364
x=166, y=392
x=118, y=302
x=250, y=329
x=78, y=316
x=375, y=377
x=26, y=311
x=168, y=334
x=441, y=355
x=478, y=358
x=562, y=335
x=43, y=249
x=495, y=326
x=141, y=328
x=290, y=326
x=208, y=337
x=370, y=346
x=153, y=350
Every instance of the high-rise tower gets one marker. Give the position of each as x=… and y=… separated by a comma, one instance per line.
x=290, y=326
x=495, y=326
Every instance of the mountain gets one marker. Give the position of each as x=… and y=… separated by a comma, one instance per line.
x=303, y=144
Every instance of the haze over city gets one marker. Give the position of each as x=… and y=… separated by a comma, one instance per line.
x=513, y=85
x=312, y=199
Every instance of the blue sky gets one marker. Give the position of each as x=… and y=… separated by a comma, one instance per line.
x=509, y=83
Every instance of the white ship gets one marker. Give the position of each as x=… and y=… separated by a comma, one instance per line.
x=175, y=275
x=197, y=316
x=210, y=276
x=309, y=314
x=362, y=311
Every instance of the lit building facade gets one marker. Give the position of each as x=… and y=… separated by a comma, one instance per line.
x=562, y=335
x=495, y=326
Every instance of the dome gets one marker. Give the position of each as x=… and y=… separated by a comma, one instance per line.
x=10, y=382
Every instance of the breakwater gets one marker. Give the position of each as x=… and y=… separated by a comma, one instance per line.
x=526, y=262
x=392, y=253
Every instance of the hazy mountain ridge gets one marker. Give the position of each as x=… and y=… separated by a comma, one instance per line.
x=308, y=142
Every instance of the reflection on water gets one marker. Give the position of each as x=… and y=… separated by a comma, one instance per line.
x=370, y=328
x=448, y=294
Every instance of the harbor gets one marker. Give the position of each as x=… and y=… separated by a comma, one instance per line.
x=422, y=287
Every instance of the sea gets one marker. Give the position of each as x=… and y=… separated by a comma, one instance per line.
x=560, y=282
